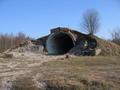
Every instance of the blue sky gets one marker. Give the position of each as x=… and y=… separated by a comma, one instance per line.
x=36, y=17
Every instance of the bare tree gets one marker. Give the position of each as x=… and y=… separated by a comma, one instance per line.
x=10, y=41
x=116, y=36
x=90, y=22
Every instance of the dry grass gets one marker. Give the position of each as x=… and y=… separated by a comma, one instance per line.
x=108, y=48
x=83, y=73
x=75, y=73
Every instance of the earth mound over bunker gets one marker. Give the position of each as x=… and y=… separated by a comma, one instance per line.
x=64, y=40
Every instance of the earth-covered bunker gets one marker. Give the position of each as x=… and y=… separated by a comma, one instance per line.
x=64, y=40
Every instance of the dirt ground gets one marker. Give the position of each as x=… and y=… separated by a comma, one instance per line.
x=21, y=64
x=32, y=71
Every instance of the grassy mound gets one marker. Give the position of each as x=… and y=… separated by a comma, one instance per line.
x=107, y=48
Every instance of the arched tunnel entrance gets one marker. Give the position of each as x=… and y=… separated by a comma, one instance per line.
x=59, y=43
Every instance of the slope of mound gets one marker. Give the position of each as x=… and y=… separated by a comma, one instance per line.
x=23, y=49
x=107, y=47
x=28, y=46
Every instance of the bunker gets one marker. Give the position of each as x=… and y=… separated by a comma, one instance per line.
x=64, y=40
x=59, y=43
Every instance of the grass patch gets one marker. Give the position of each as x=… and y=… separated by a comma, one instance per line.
x=23, y=84
x=78, y=73
x=107, y=48
x=83, y=73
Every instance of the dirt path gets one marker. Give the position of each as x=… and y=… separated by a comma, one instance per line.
x=20, y=65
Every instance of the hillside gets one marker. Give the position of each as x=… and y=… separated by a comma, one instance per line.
x=107, y=47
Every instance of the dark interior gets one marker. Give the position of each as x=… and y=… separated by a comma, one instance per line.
x=59, y=44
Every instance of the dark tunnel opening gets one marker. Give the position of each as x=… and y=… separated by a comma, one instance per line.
x=59, y=43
